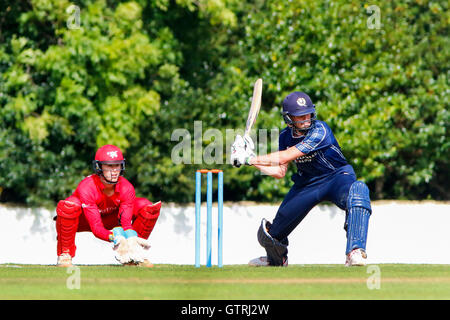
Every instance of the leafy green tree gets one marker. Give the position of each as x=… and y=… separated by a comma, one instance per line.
x=73, y=78
x=383, y=89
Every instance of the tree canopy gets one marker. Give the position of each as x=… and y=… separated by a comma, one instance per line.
x=77, y=75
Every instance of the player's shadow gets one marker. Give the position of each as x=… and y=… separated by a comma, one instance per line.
x=180, y=215
x=42, y=221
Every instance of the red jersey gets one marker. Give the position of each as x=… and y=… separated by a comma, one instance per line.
x=96, y=204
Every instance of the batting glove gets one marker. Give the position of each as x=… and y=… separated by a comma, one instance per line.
x=249, y=145
x=241, y=151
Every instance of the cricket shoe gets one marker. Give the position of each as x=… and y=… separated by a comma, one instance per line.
x=357, y=257
x=146, y=264
x=64, y=260
x=264, y=262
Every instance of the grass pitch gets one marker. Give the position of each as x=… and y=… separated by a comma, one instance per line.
x=238, y=282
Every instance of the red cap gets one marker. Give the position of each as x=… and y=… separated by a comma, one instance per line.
x=109, y=153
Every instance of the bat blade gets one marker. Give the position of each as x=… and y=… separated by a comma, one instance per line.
x=255, y=106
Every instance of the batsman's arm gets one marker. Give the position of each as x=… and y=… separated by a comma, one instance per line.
x=277, y=172
x=276, y=158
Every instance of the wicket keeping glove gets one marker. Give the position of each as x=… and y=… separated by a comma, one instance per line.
x=136, y=246
x=121, y=247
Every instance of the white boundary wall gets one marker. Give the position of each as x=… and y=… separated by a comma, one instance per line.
x=399, y=232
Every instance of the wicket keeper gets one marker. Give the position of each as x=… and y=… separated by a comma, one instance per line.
x=105, y=204
x=323, y=174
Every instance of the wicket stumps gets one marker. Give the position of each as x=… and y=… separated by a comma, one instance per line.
x=209, y=200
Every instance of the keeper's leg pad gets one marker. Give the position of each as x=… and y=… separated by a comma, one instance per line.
x=358, y=214
x=146, y=219
x=276, y=251
x=68, y=212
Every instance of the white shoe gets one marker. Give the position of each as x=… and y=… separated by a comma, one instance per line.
x=64, y=260
x=357, y=257
x=263, y=262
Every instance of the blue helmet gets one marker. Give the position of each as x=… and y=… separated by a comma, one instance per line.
x=298, y=104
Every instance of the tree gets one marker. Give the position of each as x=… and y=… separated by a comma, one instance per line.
x=131, y=72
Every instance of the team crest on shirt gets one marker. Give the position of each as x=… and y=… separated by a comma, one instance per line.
x=301, y=102
x=112, y=154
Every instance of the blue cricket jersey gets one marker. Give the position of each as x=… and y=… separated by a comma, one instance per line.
x=323, y=155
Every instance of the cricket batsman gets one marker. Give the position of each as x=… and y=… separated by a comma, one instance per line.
x=105, y=204
x=323, y=174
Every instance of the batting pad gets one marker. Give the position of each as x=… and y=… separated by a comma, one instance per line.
x=358, y=211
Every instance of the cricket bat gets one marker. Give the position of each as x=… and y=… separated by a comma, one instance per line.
x=256, y=105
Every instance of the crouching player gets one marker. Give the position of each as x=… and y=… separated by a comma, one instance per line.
x=105, y=204
x=323, y=174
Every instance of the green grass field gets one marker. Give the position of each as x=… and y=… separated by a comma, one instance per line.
x=239, y=282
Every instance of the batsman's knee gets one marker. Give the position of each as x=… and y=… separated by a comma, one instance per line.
x=359, y=196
